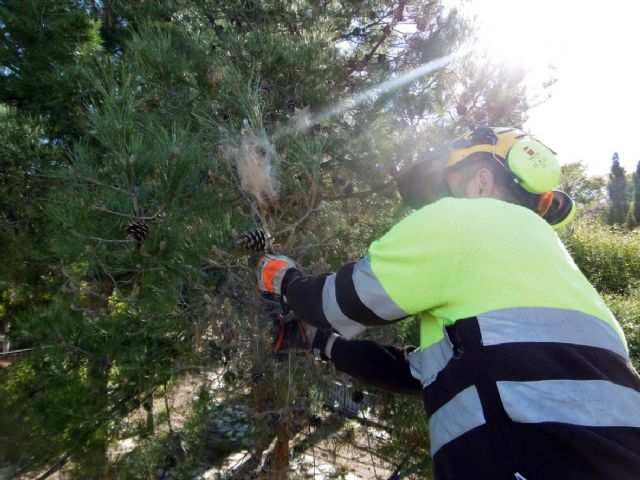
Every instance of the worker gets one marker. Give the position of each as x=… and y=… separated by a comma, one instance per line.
x=523, y=370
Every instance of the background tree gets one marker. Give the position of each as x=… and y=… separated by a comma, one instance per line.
x=618, y=191
x=589, y=192
x=634, y=212
x=44, y=49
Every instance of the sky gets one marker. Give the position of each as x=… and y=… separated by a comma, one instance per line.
x=593, y=49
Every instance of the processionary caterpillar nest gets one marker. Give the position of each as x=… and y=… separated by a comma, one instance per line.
x=254, y=160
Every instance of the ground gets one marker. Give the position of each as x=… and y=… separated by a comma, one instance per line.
x=342, y=446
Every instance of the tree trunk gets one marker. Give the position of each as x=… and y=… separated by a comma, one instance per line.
x=94, y=461
x=5, y=344
x=280, y=464
x=148, y=407
x=270, y=403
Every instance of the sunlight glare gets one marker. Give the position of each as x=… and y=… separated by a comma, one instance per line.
x=523, y=33
x=590, y=47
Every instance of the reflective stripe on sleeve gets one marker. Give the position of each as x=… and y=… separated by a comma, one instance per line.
x=593, y=403
x=554, y=325
x=270, y=273
x=455, y=418
x=426, y=363
x=338, y=320
x=372, y=294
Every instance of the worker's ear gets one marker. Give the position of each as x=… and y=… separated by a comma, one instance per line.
x=482, y=184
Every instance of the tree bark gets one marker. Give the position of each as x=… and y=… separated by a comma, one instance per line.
x=270, y=398
x=280, y=464
x=5, y=343
x=94, y=461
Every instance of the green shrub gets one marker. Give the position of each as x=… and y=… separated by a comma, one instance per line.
x=626, y=308
x=609, y=257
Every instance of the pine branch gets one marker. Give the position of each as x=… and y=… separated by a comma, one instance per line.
x=300, y=221
x=106, y=210
x=366, y=193
x=386, y=32
x=57, y=466
x=102, y=240
x=374, y=23
x=106, y=185
x=311, y=207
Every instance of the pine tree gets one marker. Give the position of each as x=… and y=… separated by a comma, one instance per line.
x=205, y=119
x=44, y=47
x=618, y=193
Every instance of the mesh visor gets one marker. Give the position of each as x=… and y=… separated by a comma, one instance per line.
x=561, y=210
x=544, y=202
x=423, y=182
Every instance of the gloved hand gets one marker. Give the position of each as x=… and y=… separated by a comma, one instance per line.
x=318, y=340
x=271, y=272
x=291, y=335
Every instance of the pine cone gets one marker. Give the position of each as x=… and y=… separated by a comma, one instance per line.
x=291, y=104
x=254, y=240
x=137, y=230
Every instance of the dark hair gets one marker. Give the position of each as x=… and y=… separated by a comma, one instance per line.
x=503, y=177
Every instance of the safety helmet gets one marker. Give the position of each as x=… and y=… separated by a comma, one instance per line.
x=532, y=166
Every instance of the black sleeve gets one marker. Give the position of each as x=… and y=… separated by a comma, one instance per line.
x=304, y=296
x=382, y=366
x=332, y=300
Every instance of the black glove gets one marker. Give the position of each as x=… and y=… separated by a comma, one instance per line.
x=291, y=335
x=319, y=341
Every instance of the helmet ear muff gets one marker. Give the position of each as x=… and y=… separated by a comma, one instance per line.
x=534, y=165
x=561, y=210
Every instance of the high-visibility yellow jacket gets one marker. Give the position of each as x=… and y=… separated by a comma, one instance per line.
x=524, y=371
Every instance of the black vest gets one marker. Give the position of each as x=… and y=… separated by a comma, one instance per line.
x=531, y=409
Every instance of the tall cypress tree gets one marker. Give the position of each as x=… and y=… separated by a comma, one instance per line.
x=618, y=189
